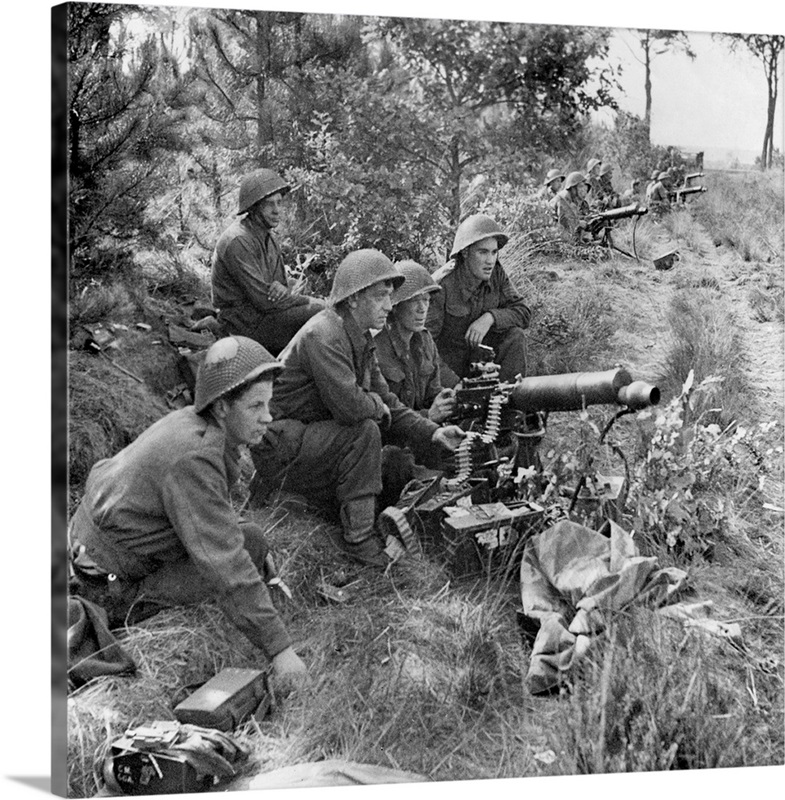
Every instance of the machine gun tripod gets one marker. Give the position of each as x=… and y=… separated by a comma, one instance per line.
x=600, y=225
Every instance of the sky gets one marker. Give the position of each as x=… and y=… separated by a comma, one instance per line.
x=717, y=100
x=26, y=140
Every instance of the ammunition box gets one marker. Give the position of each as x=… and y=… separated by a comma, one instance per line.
x=226, y=699
x=490, y=536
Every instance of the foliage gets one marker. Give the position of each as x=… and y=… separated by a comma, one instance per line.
x=627, y=146
x=745, y=212
x=694, y=477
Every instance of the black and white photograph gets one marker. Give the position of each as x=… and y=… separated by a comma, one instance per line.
x=418, y=390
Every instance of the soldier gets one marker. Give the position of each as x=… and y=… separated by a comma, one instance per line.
x=406, y=351
x=551, y=184
x=659, y=199
x=156, y=527
x=567, y=206
x=650, y=185
x=332, y=409
x=593, y=166
x=607, y=197
x=477, y=305
x=249, y=282
x=632, y=195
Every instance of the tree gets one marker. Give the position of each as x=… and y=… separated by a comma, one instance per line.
x=654, y=43
x=463, y=79
x=767, y=48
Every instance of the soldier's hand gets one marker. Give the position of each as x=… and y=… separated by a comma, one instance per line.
x=277, y=292
x=477, y=331
x=289, y=672
x=443, y=405
x=448, y=436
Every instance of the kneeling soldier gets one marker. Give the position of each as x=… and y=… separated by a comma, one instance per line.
x=156, y=527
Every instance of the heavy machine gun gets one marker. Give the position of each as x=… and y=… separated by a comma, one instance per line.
x=480, y=502
x=682, y=192
x=599, y=225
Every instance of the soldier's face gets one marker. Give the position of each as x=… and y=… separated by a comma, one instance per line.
x=582, y=190
x=246, y=418
x=270, y=209
x=411, y=314
x=371, y=306
x=481, y=258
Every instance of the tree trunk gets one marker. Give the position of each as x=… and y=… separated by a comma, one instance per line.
x=647, y=84
x=455, y=177
x=264, y=128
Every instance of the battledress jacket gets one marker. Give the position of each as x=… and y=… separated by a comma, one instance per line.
x=411, y=370
x=567, y=214
x=464, y=299
x=165, y=497
x=246, y=260
x=332, y=373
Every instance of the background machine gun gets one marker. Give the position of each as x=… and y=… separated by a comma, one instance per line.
x=680, y=193
x=599, y=225
x=480, y=503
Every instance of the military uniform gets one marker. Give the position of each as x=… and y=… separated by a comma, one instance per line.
x=568, y=215
x=328, y=412
x=462, y=300
x=156, y=528
x=246, y=261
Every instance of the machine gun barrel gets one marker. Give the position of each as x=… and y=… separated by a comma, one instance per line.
x=692, y=176
x=573, y=391
x=681, y=192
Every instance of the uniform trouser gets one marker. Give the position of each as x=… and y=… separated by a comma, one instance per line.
x=275, y=329
x=327, y=463
x=131, y=599
x=510, y=347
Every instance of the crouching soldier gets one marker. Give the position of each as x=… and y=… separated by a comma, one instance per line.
x=332, y=409
x=156, y=527
x=477, y=305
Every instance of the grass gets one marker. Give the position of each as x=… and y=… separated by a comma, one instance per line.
x=424, y=670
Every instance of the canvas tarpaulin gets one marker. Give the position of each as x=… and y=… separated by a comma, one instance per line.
x=572, y=578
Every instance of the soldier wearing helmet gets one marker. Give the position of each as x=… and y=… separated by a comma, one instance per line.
x=607, y=197
x=659, y=198
x=406, y=351
x=333, y=410
x=156, y=527
x=249, y=282
x=550, y=185
x=569, y=207
x=633, y=194
x=477, y=305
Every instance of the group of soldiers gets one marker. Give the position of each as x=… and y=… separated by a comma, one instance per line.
x=576, y=196
x=328, y=395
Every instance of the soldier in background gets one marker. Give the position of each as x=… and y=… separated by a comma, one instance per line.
x=632, y=195
x=650, y=185
x=569, y=206
x=659, y=199
x=607, y=197
x=593, y=166
x=250, y=288
x=551, y=184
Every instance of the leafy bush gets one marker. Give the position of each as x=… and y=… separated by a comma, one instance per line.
x=694, y=478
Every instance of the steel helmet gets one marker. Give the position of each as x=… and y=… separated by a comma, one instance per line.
x=606, y=169
x=258, y=185
x=362, y=269
x=655, y=175
x=592, y=163
x=552, y=175
x=474, y=229
x=574, y=178
x=664, y=176
x=228, y=364
x=418, y=281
